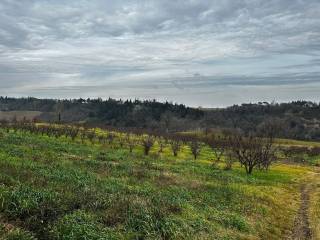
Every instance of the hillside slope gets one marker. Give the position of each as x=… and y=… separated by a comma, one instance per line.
x=63, y=189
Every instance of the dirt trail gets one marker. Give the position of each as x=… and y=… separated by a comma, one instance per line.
x=302, y=230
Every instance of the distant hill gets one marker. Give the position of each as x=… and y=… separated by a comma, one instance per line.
x=142, y=114
x=297, y=120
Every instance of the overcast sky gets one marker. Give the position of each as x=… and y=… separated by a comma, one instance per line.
x=199, y=52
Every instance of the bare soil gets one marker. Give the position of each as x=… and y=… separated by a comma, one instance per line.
x=302, y=230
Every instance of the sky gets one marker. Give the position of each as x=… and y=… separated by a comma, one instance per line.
x=208, y=53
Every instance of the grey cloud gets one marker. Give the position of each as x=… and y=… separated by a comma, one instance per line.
x=145, y=44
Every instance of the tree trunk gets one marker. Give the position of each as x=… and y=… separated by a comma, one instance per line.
x=250, y=169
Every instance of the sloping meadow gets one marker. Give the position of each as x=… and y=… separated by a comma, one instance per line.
x=61, y=189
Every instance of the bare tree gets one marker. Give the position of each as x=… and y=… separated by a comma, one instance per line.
x=147, y=143
x=252, y=151
x=110, y=138
x=73, y=132
x=91, y=135
x=101, y=139
x=218, y=144
x=121, y=140
x=83, y=135
x=229, y=160
x=161, y=143
x=195, y=146
x=130, y=142
x=175, y=147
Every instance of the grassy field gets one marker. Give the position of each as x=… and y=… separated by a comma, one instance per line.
x=291, y=142
x=60, y=189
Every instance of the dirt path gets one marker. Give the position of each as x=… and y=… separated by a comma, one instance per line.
x=302, y=230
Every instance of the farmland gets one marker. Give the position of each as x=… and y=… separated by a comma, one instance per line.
x=159, y=120
x=19, y=115
x=82, y=188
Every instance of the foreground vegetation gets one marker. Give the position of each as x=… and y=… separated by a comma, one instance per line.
x=59, y=188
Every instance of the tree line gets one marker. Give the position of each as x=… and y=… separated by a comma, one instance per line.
x=295, y=120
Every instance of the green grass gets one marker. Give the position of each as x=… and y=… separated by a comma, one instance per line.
x=291, y=142
x=59, y=189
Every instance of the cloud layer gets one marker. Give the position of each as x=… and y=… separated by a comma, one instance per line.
x=209, y=53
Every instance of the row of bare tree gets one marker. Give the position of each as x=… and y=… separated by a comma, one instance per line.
x=251, y=151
